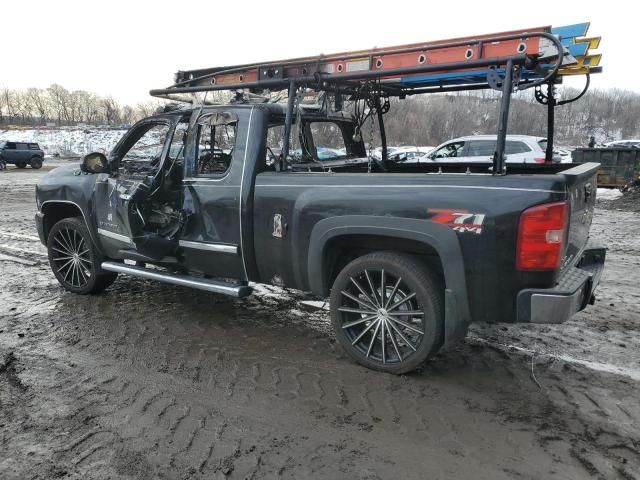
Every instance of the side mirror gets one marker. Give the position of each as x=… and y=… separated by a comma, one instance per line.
x=94, y=162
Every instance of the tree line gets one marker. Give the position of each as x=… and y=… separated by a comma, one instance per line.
x=421, y=120
x=56, y=104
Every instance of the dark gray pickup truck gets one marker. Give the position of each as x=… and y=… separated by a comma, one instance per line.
x=21, y=154
x=218, y=196
x=409, y=259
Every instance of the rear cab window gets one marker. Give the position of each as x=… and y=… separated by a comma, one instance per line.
x=328, y=141
x=315, y=142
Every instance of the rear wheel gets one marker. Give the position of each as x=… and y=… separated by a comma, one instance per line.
x=387, y=311
x=74, y=259
x=36, y=162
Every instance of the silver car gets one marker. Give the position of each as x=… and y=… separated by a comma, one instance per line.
x=480, y=148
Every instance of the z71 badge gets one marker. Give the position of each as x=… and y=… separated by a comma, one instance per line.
x=460, y=220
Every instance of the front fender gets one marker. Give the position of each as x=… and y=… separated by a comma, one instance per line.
x=67, y=186
x=440, y=238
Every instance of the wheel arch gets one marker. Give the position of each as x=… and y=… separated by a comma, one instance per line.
x=55, y=210
x=336, y=241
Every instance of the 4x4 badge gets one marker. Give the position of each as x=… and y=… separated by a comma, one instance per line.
x=459, y=220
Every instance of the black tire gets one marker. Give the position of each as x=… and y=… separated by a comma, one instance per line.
x=21, y=165
x=36, y=163
x=75, y=260
x=374, y=330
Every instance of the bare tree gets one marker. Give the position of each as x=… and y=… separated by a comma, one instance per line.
x=59, y=99
x=40, y=102
x=89, y=106
x=25, y=106
x=127, y=114
x=10, y=102
x=111, y=111
x=145, y=109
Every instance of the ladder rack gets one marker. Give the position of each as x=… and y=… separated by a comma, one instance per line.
x=540, y=53
x=506, y=61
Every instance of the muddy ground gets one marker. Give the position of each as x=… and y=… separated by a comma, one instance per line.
x=154, y=381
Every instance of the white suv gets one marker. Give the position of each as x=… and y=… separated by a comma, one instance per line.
x=480, y=148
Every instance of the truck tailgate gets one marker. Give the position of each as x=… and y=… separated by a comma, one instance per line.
x=581, y=185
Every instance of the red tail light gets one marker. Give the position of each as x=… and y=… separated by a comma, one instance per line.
x=541, y=237
x=539, y=160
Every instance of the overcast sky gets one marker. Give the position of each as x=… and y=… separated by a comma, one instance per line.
x=125, y=48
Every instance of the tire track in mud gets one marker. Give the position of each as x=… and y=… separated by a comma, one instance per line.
x=19, y=236
x=286, y=381
x=21, y=248
x=183, y=435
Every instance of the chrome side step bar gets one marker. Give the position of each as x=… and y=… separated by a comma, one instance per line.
x=214, y=286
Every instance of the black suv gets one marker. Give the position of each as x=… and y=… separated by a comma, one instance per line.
x=21, y=154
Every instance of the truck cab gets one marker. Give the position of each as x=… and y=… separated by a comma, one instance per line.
x=184, y=181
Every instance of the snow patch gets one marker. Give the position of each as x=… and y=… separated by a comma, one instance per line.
x=608, y=194
x=67, y=140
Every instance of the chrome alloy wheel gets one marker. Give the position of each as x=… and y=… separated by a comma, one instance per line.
x=71, y=257
x=381, y=316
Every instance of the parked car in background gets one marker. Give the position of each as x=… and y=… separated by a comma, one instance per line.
x=22, y=154
x=402, y=154
x=377, y=152
x=480, y=148
x=410, y=154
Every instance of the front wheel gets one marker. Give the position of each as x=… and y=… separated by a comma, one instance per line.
x=21, y=165
x=74, y=259
x=387, y=311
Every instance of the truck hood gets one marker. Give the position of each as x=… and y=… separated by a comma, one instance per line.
x=64, y=170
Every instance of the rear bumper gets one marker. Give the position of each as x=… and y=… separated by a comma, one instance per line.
x=573, y=292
